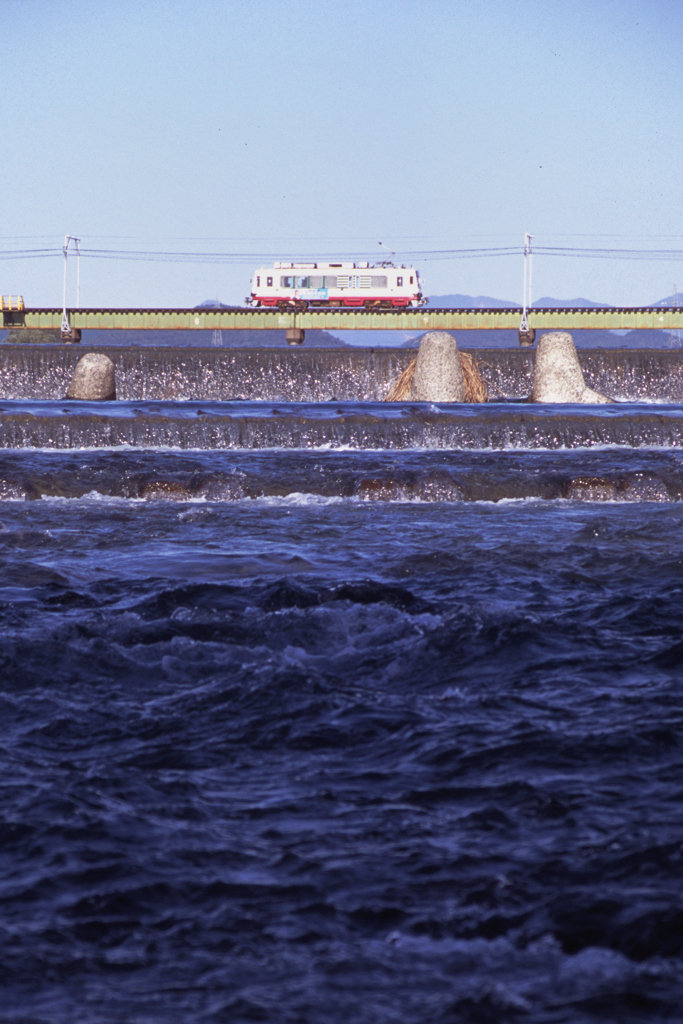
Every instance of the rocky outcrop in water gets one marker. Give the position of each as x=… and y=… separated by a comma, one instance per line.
x=627, y=475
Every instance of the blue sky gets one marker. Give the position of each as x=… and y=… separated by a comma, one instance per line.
x=301, y=127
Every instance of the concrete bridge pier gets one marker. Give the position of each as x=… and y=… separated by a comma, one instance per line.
x=295, y=335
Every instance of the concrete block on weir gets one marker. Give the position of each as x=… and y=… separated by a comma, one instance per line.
x=558, y=376
x=438, y=372
x=94, y=379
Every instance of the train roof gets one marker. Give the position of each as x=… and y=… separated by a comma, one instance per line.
x=335, y=266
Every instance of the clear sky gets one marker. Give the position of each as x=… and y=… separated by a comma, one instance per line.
x=296, y=127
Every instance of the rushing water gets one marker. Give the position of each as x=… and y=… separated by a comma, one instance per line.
x=317, y=375
x=341, y=713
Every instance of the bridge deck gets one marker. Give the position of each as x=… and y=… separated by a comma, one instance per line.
x=609, y=318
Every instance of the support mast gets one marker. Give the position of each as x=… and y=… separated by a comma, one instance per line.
x=526, y=334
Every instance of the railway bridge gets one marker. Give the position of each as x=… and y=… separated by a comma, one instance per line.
x=295, y=322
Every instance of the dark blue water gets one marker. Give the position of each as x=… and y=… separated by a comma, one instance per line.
x=341, y=735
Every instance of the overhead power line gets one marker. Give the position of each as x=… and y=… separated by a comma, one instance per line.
x=610, y=254
x=423, y=255
x=27, y=254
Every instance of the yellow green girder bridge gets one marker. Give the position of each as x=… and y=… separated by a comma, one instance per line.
x=339, y=319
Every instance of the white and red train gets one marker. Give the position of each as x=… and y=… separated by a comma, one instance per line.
x=300, y=285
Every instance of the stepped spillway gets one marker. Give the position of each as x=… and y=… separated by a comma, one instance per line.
x=334, y=425
x=317, y=375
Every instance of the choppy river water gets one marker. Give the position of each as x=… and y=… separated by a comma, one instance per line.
x=340, y=714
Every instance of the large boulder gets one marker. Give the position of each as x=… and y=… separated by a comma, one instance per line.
x=438, y=373
x=94, y=379
x=558, y=376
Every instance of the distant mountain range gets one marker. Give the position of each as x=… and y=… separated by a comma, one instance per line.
x=181, y=339
x=206, y=339
x=488, y=302
x=546, y=302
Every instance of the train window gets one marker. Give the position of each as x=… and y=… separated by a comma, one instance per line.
x=330, y=282
x=316, y=282
x=269, y=282
x=411, y=280
x=379, y=281
x=287, y=282
x=258, y=282
x=399, y=282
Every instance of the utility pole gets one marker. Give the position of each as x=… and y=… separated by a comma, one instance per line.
x=676, y=334
x=66, y=326
x=526, y=335
x=78, y=272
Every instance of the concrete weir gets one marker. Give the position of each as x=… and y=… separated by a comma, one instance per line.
x=331, y=426
x=319, y=375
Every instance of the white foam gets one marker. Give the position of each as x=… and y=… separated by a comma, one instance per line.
x=91, y=497
x=295, y=499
